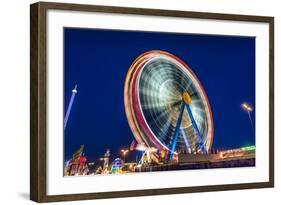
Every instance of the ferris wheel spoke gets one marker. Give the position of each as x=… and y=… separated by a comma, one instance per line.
x=186, y=81
x=153, y=105
x=148, y=92
x=165, y=128
x=166, y=94
x=156, y=118
x=176, y=104
x=193, y=94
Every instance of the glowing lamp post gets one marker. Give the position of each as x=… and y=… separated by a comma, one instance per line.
x=124, y=152
x=248, y=108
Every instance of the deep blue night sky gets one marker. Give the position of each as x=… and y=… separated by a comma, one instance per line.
x=97, y=61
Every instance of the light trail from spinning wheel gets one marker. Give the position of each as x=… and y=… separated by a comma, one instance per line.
x=166, y=105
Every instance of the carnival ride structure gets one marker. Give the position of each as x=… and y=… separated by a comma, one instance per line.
x=159, y=88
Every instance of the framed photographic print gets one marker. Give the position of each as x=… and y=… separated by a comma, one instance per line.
x=135, y=102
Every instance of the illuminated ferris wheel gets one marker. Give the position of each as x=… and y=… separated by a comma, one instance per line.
x=166, y=105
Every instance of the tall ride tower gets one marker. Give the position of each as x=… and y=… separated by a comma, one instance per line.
x=74, y=91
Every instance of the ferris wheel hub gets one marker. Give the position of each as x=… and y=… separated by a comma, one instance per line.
x=186, y=97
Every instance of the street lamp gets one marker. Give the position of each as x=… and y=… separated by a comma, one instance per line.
x=124, y=152
x=248, y=108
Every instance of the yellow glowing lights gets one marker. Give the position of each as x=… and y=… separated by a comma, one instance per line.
x=247, y=107
x=124, y=151
x=186, y=97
